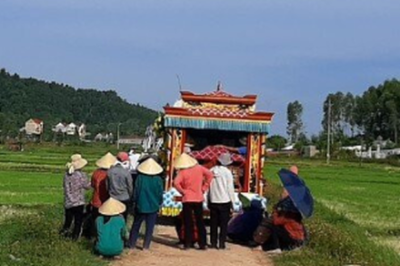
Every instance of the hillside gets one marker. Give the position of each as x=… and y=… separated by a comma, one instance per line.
x=101, y=111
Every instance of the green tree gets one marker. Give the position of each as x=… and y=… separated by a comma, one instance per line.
x=276, y=142
x=294, y=120
x=375, y=113
x=24, y=98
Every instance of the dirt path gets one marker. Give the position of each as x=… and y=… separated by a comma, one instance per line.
x=165, y=252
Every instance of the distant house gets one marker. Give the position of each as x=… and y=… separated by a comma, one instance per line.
x=60, y=128
x=107, y=137
x=71, y=129
x=131, y=140
x=34, y=126
x=98, y=137
x=288, y=148
x=310, y=151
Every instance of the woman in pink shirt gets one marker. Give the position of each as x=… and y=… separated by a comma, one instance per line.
x=192, y=181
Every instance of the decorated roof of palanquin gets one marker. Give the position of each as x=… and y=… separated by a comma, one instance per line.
x=218, y=110
x=218, y=97
x=215, y=112
x=219, y=92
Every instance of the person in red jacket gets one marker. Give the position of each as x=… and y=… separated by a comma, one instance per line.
x=98, y=182
x=100, y=192
x=192, y=181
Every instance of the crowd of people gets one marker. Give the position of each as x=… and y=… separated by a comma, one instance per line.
x=123, y=185
x=117, y=191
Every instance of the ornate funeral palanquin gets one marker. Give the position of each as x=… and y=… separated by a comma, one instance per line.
x=216, y=111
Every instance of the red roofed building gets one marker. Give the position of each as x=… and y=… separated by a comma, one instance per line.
x=34, y=126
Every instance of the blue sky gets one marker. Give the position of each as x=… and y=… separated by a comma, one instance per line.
x=280, y=50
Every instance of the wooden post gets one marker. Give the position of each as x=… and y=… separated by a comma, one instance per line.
x=328, y=149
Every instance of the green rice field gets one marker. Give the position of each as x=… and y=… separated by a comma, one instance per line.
x=356, y=221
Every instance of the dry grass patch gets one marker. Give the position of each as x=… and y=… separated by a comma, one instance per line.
x=12, y=212
x=391, y=242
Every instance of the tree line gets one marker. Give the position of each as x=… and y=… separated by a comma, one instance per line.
x=353, y=119
x=101, y=111
x=372, y=115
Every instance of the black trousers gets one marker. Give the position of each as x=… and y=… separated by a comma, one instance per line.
x=219, y=216
x=196, y=208
x=74, y=214
x=280, y=238
x=93, y=216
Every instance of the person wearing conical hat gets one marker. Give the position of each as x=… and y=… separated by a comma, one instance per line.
x=242, y=149
x=75, y=183
x=148, y=196
x=221, y=199
x=192, y=181
x=111, y=228
x=100, y=192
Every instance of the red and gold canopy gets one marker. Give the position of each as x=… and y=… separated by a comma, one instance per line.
x=217, y=110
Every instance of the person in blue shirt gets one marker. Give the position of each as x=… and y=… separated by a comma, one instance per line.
x=242, y=150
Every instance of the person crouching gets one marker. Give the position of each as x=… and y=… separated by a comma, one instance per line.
x=110, y=225
x=284, y=230
x=148, y=195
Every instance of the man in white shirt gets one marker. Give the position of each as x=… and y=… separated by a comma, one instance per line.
x=133, y=158
x=221, y=199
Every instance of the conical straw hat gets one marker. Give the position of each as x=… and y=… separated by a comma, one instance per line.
x=185, y=161
x=112, y=207
x=150, y=167
x=106, y=161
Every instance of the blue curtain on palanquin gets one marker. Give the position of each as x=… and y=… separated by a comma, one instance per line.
x=228, y=125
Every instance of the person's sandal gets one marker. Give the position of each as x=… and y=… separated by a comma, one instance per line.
x=274, y=251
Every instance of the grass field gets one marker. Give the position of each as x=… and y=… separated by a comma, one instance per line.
x=31, y=210
x=356, y=219
x=357, y=214
x=367, y=195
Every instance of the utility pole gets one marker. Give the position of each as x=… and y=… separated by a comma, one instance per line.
x=328, y=149
x=118, y=125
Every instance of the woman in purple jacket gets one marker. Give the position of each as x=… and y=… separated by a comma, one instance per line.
x=75, y=184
